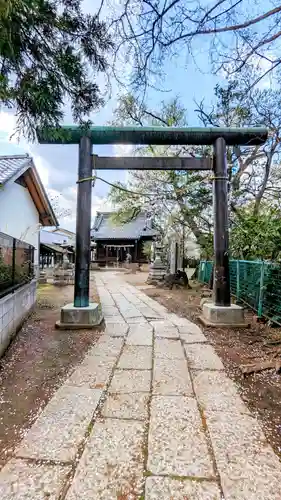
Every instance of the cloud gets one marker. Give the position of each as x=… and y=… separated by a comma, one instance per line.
x=7, y=129
x=123, y=149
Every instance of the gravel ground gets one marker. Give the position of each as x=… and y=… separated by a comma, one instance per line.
x=35, y=365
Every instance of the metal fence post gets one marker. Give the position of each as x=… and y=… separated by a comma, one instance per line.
x=260, y=305
x=31, y=262
x=14, y=262
x=204, y=271
x=237, y=280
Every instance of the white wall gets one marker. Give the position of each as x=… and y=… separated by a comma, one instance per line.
x=18, y=216
x=14, y=309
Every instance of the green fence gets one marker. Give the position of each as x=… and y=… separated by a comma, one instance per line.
x=255, y=283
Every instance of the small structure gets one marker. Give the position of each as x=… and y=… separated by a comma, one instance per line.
x=54, y=245
x=50, y=255
x=24, y=206
x=66, y=240
x=114, y=243
x=64, y=274
x=182, y=247
x=157, y=269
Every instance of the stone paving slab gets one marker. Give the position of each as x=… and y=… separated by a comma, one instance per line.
x=133, y=406
x=203, y=357
x=109, y=311
x=165, y=329
x=130, y=381
x=164, y=488
x=179, y=321
x=136, y=357
x=171, y=377
x=130, y=313
x=172, y=333
x=116, y=329
x=94, y=372
x=177, y=443
x=193, y=338
x=148, y=312
x=169, y=349
x=21, y=480
x=215, y=391
x=137, y=321
x=140, y=335
x=190, y=328
x=106, y=346
x=248, y=467
x=111, y=466
x=115, y=320
x=59, y=430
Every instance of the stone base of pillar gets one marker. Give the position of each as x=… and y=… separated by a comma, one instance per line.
x=77, y=318
x=223, y=317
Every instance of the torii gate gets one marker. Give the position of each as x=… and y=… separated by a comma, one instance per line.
x=216, y=136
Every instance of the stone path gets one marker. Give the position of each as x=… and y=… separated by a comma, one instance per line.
x=148, y=414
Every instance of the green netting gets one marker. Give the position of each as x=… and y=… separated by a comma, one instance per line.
x=256, y=283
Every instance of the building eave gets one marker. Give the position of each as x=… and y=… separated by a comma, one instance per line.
x=39, y=196
x=35, y=188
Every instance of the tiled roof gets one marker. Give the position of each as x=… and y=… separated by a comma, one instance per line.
x=54, y=248
x=105, y=229
x=12, y=165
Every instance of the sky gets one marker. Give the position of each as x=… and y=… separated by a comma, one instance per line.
x=57, y=164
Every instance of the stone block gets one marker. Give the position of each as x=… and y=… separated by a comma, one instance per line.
x=94, y=372
x=166, y=488
x=232, y=316
x=110, y=311
x=215, y=391
x=202, y=357
x=80, y=317
x=21, y=480
x=190, y=328
x=106, y=346
x=140, y=335
x=168, y=348
x=136, y=357
x=130, y=381
x=111, y=466
x=171, y=377
x=61, y=427
x=115, y=320
x=132, y=406
x=116, y=329
x=177, y=444
x=193, y=338
x=248, y=467
x=165, y=329
x=137, y=321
